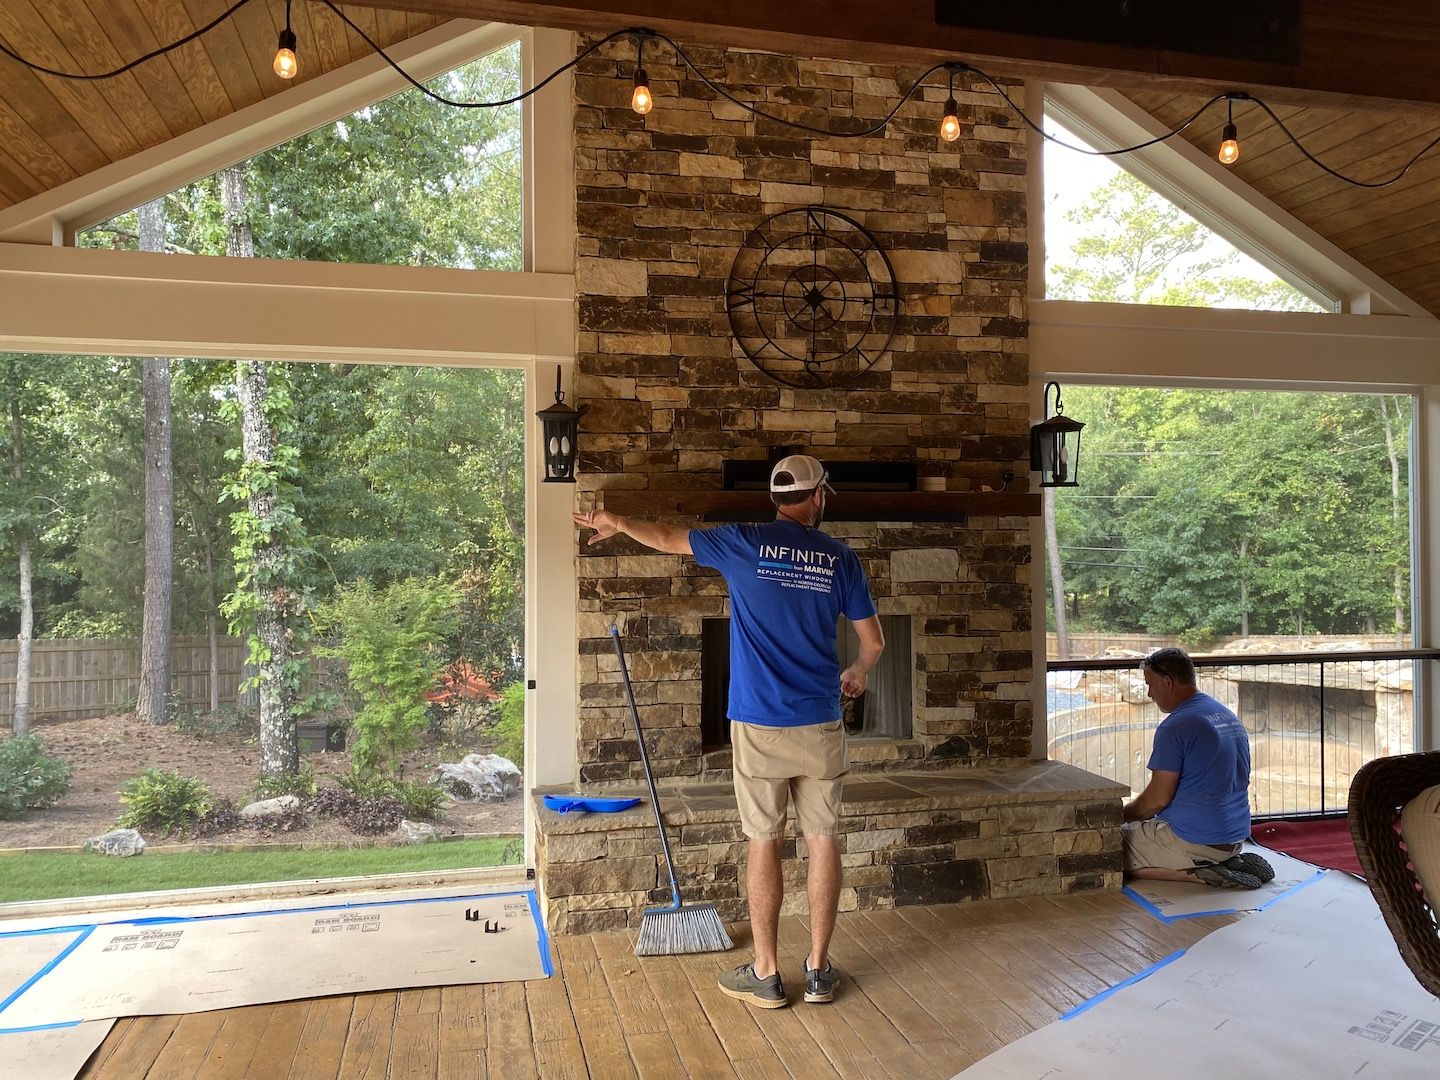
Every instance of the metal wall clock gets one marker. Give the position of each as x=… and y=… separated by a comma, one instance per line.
x=812, y=298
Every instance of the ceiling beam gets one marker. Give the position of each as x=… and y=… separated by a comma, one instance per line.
x=1352, y=52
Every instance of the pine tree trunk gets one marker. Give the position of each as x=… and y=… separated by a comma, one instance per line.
x=20, y=717
x=153, y=699
x=212, y=624
x=1057, y=577
x=279, y=742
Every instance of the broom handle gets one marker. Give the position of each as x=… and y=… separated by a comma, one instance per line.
x=649, y=776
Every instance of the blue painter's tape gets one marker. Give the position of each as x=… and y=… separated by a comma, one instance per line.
x=83, y=934
x=543, y=940
x=1296, y=888
x=1121, y=985
x=41, y=1027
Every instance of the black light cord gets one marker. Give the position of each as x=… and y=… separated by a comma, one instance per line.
x=473, y=104
x=161, y=51
x=641, y=34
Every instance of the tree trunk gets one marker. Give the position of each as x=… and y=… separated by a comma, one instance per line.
x=1057, y=577
x=279, y=743
x=212, y=624
x=1395, y=512
x=20, y=717
x=152, y=702
x=1244, y=590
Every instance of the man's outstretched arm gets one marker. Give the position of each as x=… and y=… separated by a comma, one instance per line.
x=670, y=539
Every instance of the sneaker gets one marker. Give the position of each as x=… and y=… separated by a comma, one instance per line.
x=762, y=993
x=1221, y=876
x=1247, y=862
x=820, y=985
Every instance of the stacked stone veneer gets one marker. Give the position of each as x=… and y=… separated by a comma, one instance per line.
x=663, y=203
x=1040, y=829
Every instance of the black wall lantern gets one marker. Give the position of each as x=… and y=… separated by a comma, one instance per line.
x=1055, y=445
x=560, y=426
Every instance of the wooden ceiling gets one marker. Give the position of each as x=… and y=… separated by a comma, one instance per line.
x=55, y=130
x=1394, y=231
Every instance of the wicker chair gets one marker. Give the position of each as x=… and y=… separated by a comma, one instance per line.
x=1380, y=789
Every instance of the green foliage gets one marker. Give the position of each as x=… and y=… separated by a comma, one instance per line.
x=422, y=802
x=29, y=777
x=1139, y=248
x=204, y=724
x=301, y=784
x=1209, y=513
x=163, y=799
x=390, y=639
x=509, y=731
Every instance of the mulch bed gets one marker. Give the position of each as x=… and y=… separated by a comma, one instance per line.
x=105, y=751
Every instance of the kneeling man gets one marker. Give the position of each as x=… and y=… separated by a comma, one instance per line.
x=1188, y=823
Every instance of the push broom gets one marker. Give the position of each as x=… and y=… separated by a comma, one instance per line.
x=681, y=927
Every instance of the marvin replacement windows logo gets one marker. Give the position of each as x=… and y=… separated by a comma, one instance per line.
x=797, y=568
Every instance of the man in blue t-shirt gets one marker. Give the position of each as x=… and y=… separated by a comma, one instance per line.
x=1188, y=823
x=789, y=584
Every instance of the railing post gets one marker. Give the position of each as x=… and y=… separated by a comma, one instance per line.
x=1322, y=736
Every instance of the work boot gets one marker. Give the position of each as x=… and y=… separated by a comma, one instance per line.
x=1247, y=862
x=1220, y=876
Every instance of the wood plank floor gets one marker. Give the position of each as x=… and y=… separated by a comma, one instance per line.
x=926, y=992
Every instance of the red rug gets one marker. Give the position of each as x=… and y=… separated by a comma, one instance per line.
x=1324, y=842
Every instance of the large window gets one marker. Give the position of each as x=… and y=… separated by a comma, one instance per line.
x=382, y=535
x=406, y=181
x=1110, y=237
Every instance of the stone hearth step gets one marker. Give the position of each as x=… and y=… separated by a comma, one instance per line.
x=932, y=837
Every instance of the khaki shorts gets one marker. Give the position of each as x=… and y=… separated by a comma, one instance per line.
x=775, y=764
x=1153, y=843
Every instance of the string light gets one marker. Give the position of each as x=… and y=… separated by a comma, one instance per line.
x=642, y=100
x=286, y=65
x=950, y=126
x=1229, y=152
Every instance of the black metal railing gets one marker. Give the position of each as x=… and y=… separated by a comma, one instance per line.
x=1314, y=718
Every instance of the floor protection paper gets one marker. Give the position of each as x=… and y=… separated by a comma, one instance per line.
x=1170, y=900
x=50, y=1053
x=191, y=964
x=1312, y=986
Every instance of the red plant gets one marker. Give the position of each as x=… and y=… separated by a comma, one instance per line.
x=461, y=682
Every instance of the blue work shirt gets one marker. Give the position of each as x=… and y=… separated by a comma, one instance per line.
x=1206, y=744
x=789, y=585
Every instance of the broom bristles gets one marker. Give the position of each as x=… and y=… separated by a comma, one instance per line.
x=690, y=929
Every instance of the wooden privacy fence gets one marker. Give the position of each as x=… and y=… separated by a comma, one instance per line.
x=79, y=677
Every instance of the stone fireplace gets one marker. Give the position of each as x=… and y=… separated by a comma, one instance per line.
x=663, y=204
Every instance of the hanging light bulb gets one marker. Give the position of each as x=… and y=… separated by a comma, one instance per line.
x=1229, y=140
x=286, y=65
x=950, y=126
x=640, y=99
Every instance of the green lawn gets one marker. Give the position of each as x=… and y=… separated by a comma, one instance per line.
x=47, y=875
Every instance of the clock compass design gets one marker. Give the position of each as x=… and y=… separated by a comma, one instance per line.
x=812, y=298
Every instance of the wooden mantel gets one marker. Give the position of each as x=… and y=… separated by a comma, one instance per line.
x=902, y=506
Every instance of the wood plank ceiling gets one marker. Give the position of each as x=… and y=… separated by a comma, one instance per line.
x=1392, y=230
x=54, y=130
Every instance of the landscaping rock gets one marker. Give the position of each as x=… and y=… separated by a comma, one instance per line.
x=481, y=778
x=417, y=832
x=266, y=808
x=119, y=842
